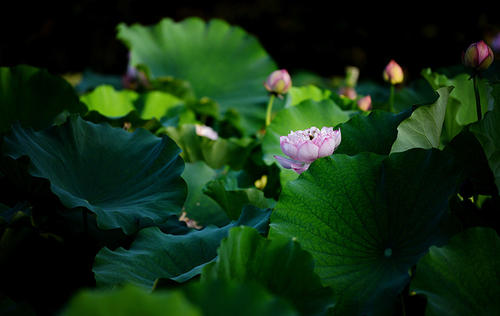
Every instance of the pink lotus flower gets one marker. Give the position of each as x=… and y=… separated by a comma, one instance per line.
x=278, y=82
x=206, y=131
x=303, y=147
x=365, y=103
x=478, y=55
x=348, y=92
x=393, y=73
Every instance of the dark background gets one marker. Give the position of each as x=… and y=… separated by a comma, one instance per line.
x=322, y=37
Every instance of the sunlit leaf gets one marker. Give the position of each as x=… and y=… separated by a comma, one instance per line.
x=423, y=128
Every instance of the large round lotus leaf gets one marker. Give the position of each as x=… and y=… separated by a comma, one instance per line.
x=462, y=278
x=305, y=115
x=220, y=61
x=129, y=301
x=366, y=219
x=129, y=180
x=34, y=97
x=281, y=266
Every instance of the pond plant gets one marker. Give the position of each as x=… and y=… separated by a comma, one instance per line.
x=166, y=191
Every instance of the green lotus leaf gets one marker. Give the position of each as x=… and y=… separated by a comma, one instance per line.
x=309, y=92
x=110, y=102
x=218, y=298
x=34, y=97
x=231, y=198
x=199, y=206
x=281, y=266
x=154, y=254
x=305, y=115
x=129, y=301
x=129, y=180
x=220, y=61
x=373, y=133
x=487, y=131
x=91, y=80
x=423, y=128
x=216, y=153
x=462, y=277
x=463, y=93
x=366, y=219
x=113, y=103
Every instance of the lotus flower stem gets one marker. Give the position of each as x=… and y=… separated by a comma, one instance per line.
x=391, y=99
x=478, y=99
x=269, y=109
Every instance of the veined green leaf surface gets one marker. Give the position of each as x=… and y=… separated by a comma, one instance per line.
x=366, y=220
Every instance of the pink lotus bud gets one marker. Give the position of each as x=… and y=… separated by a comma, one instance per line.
x=134, y=78
x=393, y=73
x=348, y=92
x=278, y=82
x=303, y=147
x=365, y=103
x=478, y=56
x=206, y=131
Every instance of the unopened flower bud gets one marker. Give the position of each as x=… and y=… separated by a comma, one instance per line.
x=278, y=82
x=351, y=76
x=348, y=92
x=206, y=131
x=365, y=103
x=393, y=73
x=478, y=56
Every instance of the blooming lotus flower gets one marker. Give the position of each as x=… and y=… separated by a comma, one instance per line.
x=365, y=103
x=393, y=73
x=478, y=56
x=206, y=131
x=278, y=82
x=303, y=147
